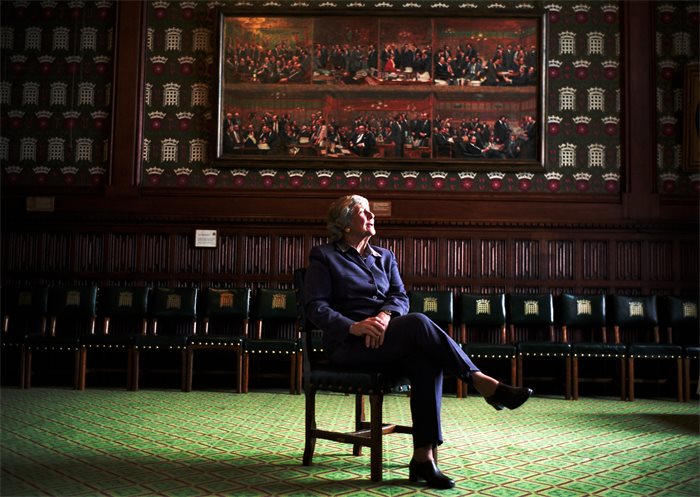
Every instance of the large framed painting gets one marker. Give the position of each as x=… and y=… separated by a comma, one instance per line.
x=389, y=91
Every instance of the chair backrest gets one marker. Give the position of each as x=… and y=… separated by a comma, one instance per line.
x=176, y=308
x=72, y=310
x=437, y=305
x=531, y=312
x=581, y=311
x=482, y=311
x=679, y=314
x=228, y=306
x=633, y=312
x=24, y=309
x=276, y=306
x=121, y=307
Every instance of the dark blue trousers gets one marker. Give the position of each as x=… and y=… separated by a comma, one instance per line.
x=415, y=347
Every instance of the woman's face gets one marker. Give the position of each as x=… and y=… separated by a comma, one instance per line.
x=361, y=222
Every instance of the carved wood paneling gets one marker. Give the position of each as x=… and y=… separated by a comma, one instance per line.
x=660, y=260
x=458, y=259
x=594, y=261
x=560, y=259
x=425, y=257
x=54, y=252
x=20, y=252
x=396, y=245
x=188, y=259
x=122, y=253
x=223, y=258
x=290, y=254
x=688, y=261
x=156, y=253
x=493, y=259
x=629, y=260
x=526, y=259
x=88, y=253
x=257, y=255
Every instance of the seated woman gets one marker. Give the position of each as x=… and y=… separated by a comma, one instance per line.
x=354, y=293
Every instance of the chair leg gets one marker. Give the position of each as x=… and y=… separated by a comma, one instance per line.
x=239, y=369
x=686, y=379
x=630, y=378
x=22, y=367
x=28, y=369
x=190, y=369
x=513, y=371
x=246, y=371
x=136, y=361
x=300, y=372
x=77, y=365
x=376, y=401
x=574, y=376
x=460, y=388
x=623, y=375
x=567, y=377
x=82, y=368
x=679, y=378
x=184, y=365
x=359, y=421
x=519, y=380
x=310, y=442
x=292, y=373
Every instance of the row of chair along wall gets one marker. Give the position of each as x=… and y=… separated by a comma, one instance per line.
x=489, y=326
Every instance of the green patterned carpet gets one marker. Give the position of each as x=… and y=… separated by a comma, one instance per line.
x=106, y=442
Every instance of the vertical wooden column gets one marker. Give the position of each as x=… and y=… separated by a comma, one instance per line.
x=130, y=46
x=639, y=195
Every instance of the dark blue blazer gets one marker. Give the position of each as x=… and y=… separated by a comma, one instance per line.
x=341, y=288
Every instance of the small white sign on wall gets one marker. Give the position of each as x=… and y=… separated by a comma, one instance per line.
x=205, y=238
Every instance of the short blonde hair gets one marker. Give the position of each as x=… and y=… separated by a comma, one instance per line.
x=339, y=214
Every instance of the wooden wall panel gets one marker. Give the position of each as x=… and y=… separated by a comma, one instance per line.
x=257, y=255
x=492, y=257
x=560, y=259
x=629, y=260
x=188, y=259
x=223, y=258
x=660, y=260
x=458, y=259
x=290, y=254
x=156, y=253
x=54, y=252
x=526, y=259
x=594, y=260
x=425, y=258
x=688, y=261
x=121, y=253
x=88, y=253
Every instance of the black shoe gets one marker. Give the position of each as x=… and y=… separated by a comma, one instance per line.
x=429, y=472
x=507, y=396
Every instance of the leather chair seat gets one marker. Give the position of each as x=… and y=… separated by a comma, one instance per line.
x=342, y=380
x=598, y=349
x=216, y=340
x=544, y=348
x=489, y=350
x=48, y=342
x=151, y=341
x=655, y=350
x=108, y=341
x=273, y=346
x=692, y=352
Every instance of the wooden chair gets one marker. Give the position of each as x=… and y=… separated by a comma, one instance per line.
x=226, y=313
x=173, y=314
x=123, y=311
x=637, y=317
x=483, y=333
x=533, y=317
x=585, y=315
x=321, y=376
x=276, y=335
x=24, y=314
x=72, y=316
x=679, y=315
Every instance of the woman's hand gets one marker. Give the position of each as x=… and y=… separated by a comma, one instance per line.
x=373, y=329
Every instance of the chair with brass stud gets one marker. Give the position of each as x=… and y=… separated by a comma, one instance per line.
x=163, y=351
x=679, y=316
x=483, y=333
x=583, y=321
x=226, y=313
x=276, y=335
x=24, y=313
x=72, y=317
x=636, y=318
x=123, y=312
x=532, y=318
x=438, y=305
